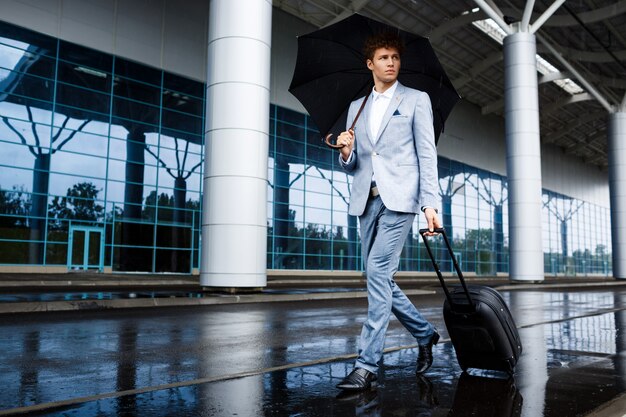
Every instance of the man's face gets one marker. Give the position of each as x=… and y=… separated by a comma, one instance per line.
x=385, y=65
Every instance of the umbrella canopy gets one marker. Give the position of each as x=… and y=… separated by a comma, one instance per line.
x=331, y=72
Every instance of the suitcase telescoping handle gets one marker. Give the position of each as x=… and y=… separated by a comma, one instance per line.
x=457, y=268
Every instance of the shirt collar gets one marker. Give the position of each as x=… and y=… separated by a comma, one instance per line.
x=388, y=92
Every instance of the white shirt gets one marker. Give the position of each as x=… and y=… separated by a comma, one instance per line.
x=379, y=105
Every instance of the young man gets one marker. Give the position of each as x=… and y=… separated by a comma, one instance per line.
x=393, y=157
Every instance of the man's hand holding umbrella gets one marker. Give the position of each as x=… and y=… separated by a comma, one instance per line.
x=346, y=141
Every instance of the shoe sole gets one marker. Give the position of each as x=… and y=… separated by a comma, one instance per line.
x=372, y=384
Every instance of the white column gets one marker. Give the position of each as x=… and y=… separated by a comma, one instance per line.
x=521, y=107
x=234, y=213
x=617, y=189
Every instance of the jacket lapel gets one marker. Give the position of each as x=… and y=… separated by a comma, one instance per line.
x=398, y=95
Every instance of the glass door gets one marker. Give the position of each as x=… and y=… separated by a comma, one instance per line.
x=85, y=248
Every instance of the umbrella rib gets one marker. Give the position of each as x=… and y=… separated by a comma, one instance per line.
x=349, y=48
x=318, y=76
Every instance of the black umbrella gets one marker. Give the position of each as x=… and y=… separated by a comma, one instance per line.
x=330, y=72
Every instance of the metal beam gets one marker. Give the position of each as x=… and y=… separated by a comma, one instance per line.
x=578, y=76
x=527, y=13
x=478, y=69
x=495, y=8
x=454, y=23
x=592, y=16
x=591, y=56
x=573, y=126
x=545, y=16
x=553, y=76
x=355, y=7
x=577, y=98
x=494, y=15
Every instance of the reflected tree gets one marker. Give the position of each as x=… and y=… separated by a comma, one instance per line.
x=161, y=209
x=130, y=256
x=78, y=204
x=134, y=175
x=14, y=205
x=283, y=216
x=127, y=361
x=479, y=261
x=495, y=199
x=14, y=224
x=41, y=174
x=180, y=174
x=281, y=207
x=29, y=383
x=284, y=225
x=448, y=188
x=563, y=213
x=352, y=223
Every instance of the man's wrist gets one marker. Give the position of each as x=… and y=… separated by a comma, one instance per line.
x=346, y=160
x=429, y=207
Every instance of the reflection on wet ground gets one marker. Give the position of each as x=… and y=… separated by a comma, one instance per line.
x=116, y=295
x=284, y=359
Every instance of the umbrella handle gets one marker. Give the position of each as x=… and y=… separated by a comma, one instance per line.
x=330, y=135
x=330, y=144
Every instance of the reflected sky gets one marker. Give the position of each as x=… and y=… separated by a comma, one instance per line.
x=85, y=155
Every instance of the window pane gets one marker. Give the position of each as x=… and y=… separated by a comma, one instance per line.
x=23, y=87
x=27, y=40
x=136, y=71
x=180, y=84
x=183, y=103
x=132, y=110
x=175, y=124
x=137, y=91
x=79, y=98
x=85, y=57
x=84, y=76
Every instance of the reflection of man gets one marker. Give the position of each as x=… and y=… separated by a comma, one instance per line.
x=392, y=154
x=366, y=403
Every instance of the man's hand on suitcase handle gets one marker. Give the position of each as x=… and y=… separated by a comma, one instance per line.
x=435, y=232
x=433, y=222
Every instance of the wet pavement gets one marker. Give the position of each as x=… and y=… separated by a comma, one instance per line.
x=284, y=359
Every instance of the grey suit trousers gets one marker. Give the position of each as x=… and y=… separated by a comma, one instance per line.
x=383, y=233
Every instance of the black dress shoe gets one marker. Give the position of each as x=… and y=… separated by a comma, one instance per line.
x=358, y=380
x=425, y=357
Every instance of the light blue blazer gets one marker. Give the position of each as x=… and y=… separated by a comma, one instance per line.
x=404, y=157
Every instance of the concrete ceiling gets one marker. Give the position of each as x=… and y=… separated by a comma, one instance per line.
x=590, y=36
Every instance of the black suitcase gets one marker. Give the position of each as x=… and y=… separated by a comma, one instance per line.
x=480, y=325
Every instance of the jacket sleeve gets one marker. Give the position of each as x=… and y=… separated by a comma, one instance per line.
x=350, y=164
x=424, y=137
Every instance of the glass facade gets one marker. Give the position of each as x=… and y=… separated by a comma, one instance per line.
x=310, y=227
x=101, y=168
x=101, y=160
